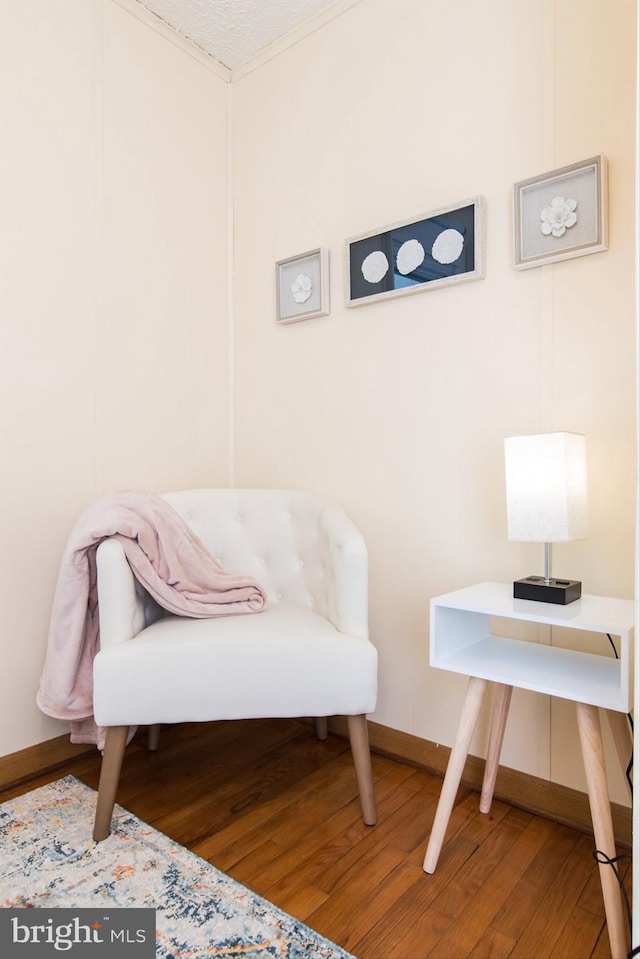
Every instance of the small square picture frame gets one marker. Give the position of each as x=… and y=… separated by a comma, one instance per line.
x=302, y=286
x=561, y=214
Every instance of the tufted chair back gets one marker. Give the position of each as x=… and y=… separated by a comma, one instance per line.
x=280, y=538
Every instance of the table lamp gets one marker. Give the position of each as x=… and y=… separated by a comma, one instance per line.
x=546, y=476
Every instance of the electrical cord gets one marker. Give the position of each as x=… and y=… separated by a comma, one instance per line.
x=630, y=719
x=604, y=860
x=601, y=857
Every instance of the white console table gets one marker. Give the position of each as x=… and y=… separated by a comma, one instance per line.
x=461, y=641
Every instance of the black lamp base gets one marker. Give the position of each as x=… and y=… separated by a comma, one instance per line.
x=558, y=591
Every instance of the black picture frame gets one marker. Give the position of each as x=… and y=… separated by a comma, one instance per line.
x=437, y=249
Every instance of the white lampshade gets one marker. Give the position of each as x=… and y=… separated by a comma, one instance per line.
x=546, y=477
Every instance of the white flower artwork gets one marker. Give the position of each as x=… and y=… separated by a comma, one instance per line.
x=410, y=256
x=301, y=288
x=447, y=246
x=434, y=250
x=374, y=266
x=557, y=218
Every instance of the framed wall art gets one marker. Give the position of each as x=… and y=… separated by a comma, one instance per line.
x=437, y=249
x=302, y=286
x=560, y=214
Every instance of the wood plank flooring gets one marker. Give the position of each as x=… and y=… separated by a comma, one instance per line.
x=267, y=803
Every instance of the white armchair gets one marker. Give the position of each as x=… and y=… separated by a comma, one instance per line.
x=307, y=654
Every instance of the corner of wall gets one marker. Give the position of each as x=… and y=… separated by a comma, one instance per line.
x=231, y=439
x=137, y=9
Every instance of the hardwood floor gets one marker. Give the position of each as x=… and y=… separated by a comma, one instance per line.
x=267, y=803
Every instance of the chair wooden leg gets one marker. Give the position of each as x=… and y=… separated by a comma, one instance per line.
x=109, y=777
x=153, y=737
x=322, y=728
x=359, y=739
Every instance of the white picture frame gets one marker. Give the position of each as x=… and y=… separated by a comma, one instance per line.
x=427, y=243
x=546, y=230
x=302, y=286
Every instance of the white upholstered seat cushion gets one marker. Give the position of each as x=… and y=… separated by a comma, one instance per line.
x=284, y=661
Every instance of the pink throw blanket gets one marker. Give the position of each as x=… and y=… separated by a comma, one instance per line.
x=166, y=557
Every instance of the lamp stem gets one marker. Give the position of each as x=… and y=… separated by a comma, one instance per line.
x=547, y=563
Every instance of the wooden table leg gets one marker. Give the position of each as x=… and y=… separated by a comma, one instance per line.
x=594, y=766
x=496, y=738
x=470, y=712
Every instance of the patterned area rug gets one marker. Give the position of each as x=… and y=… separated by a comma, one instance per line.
x=48, y=860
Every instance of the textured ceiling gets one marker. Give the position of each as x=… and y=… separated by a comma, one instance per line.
x=234, y=31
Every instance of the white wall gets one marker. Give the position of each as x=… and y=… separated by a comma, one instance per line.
x=399, y=409
x=113, y=294
x=113, y=300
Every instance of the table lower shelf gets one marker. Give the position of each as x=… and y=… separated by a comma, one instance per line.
x=565, y=673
